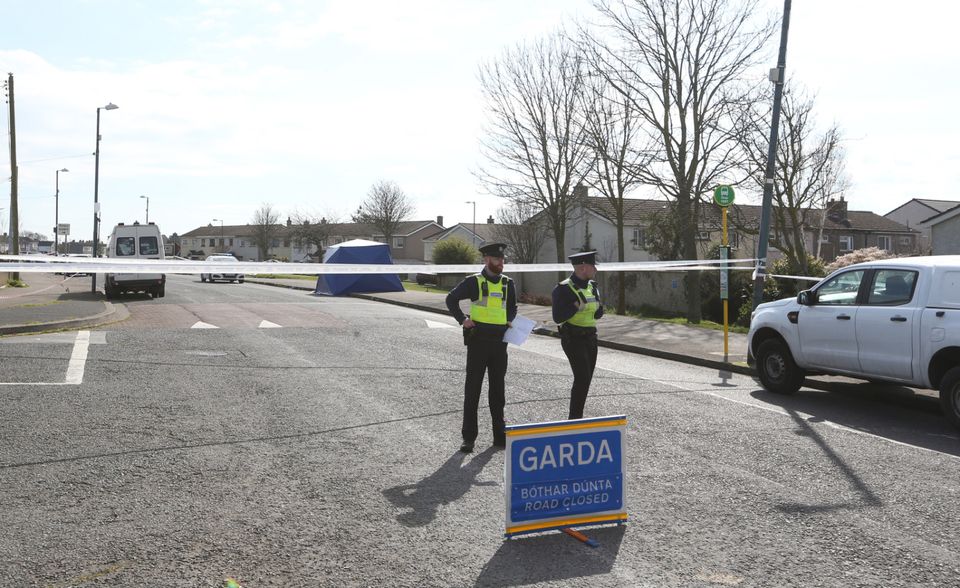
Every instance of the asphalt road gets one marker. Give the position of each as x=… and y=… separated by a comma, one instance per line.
x=266, y=435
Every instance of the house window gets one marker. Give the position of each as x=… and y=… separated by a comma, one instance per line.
x=286, y=242
x=905, y=240
x=824, y=238
x=883, y=242
x=231, y=242
x=275, y=242
x=639, y=239
x=398, y=242
x=703, y=235
x=846, y=243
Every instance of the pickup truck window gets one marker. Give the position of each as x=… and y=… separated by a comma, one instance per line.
x=892, y=287
x=840, y=290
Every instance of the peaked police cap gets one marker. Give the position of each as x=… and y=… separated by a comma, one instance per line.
x=493, y=249
x=589, y=257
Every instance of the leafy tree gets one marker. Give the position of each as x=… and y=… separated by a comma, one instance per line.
x=455, y=251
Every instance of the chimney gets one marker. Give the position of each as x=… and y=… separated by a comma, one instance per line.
x=837, y=210
x=579, y=191
x=289, y=222
x=490, y=220
x=440, y=220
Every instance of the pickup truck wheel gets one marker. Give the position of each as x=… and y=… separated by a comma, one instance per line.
x=950, y=395
x=203, y=278
x=778, y=372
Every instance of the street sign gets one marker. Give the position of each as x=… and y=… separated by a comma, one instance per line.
x=724, y=274
x=565, y=473
x=63, y=229
x=723, y=195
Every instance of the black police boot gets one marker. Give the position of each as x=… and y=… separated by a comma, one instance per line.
x=466, y=447
x=500, y=441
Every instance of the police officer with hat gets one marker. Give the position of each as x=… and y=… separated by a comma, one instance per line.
x=492, y=308
x=576, y=308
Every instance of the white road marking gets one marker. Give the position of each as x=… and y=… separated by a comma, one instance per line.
x=269, y=325
x=203, y=325
x=78, y=359
x=436, y=325
x=75, y=368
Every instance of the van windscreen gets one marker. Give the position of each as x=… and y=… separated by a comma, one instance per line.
x=126, y=246
x=148, y=246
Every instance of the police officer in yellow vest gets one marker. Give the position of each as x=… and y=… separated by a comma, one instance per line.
x=576, y=308
x=493, y=306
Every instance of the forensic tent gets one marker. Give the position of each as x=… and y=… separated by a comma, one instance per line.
x=357, y=251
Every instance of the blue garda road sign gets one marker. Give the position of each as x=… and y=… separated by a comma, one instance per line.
x=565, y=474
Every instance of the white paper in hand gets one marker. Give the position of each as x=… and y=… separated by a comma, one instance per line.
x=519, y=331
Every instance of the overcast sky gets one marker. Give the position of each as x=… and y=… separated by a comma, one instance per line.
x=224, y=105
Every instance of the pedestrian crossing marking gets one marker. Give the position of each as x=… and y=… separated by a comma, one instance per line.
x=203, y=325
x=436, y=325
x=269, y=325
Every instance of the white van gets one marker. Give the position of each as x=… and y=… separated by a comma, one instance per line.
x=135, y=241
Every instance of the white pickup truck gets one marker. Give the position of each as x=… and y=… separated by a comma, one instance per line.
x=893, y=320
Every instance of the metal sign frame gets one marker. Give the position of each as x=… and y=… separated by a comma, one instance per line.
x=584, y=485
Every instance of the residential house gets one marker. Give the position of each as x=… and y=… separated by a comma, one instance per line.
x=944, y=231
x=239, y=240
x=590, y=226
x=477, y=235
x=407, y=244
x=916, y=210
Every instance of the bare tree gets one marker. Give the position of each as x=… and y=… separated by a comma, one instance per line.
x=523, y=237
x=809, y=172
x=682, y=65
x=612, y=128
x=385, y=207
x=265, y=228
x=534, y=142
x=311, y=230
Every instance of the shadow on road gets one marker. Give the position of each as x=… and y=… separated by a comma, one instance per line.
x=447, y=484
x=893, y=412
x=552, y=557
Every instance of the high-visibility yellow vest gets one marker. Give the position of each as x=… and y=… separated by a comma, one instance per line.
x=491, y=308
x=589, y=303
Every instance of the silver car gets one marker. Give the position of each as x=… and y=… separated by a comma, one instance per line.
x=221, y=276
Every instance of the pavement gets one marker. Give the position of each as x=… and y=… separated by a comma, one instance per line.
x=52, y=302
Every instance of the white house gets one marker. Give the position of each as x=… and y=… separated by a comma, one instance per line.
x=912, y=213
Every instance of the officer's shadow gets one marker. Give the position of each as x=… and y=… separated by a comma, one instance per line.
x=447, y=484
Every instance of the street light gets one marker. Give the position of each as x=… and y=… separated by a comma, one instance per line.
x=220, y=220
x=56, y=215
x=96, y=192
x=474, y=203
x=148, y=207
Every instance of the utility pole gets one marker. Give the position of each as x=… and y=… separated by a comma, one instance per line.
x=14, y=214
x=777, y=76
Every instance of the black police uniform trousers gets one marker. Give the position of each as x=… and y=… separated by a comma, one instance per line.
x=488, y=354
x=580, y=346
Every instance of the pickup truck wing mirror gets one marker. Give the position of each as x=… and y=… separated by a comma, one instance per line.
x=806, y=298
